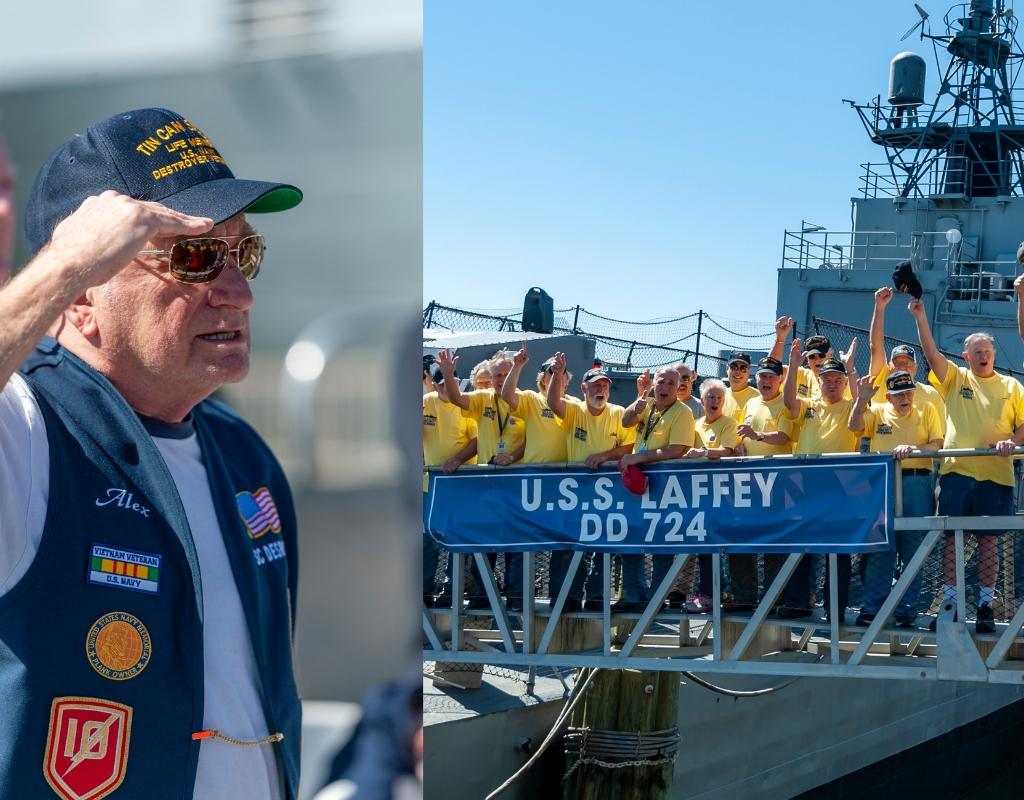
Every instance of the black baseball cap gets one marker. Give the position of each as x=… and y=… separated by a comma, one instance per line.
x=817, y=344
x=769, y=364
x=595, y=374
x=149, y=154
x=906, y=281
x=903, y=350
x=899, y=382
x=739, y=355
x=832, y=365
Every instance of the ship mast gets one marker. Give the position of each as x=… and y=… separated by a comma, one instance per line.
x=968, y=142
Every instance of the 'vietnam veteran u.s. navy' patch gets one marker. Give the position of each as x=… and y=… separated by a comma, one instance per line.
x=124, y=569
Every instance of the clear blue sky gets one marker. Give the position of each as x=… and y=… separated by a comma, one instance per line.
x=643, y=159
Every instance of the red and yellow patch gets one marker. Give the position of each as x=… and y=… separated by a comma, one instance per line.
x=86, y=747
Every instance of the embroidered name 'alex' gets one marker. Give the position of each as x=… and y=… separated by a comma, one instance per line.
x=122, y=498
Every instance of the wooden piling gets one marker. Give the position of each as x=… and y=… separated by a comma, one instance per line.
x=626, y=701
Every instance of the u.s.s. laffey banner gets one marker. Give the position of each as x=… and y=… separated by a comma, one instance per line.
x=840, y=504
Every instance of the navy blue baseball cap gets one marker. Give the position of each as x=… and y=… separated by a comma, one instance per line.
x=149, y=154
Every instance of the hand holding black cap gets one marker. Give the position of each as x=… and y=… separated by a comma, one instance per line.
x=906, y=281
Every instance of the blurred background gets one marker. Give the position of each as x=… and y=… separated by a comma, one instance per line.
x=326, y=95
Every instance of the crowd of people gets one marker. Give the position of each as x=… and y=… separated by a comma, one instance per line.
x=814, y=403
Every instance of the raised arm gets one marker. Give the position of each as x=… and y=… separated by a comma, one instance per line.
x=644, y=384
x=1018, y=287
x=508, y=388
x=936, y=360
x=796, y=356
x=876, y=336
x=556, y=402
x=849, y=360
x=447, y=362
x=88, y=248
x=783, y=325
x=860, y=405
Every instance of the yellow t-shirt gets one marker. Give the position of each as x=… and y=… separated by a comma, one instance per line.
x=545, y=436
x=823, y=427
x=587, y=434
x=720, y=433
x=674, y=426
x=887, y=429
x=735, y=401
x=979, y=413
x=445, y=430
x=495, y=424
x=763, y=417
x=923, y=394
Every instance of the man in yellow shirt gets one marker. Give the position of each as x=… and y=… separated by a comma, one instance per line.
x=684, y=394
x=715, y=436
x=760, y=436
x=594, y=435
x=903, y=428
x=664, y=430
x=740, y=390
x=817, y=350
x=902, y=357
x=983, y=409
x=501, y=436
x=545, y=444
x=449, y=440
x=818, y=425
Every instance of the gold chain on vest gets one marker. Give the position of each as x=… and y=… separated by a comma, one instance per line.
x=213, y=733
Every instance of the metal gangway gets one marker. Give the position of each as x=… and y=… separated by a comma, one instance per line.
x=755, y=642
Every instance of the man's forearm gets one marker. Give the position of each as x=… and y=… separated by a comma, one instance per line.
x=876, y=340
x=666, y=453
x=31, y=303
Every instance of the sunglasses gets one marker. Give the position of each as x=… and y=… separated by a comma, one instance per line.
x=814, y=355
x=739, y=366
x=202, y=260
x=685, y=378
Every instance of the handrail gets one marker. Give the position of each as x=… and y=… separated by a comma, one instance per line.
x=658, y=639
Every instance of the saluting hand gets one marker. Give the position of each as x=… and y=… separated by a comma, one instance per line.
x=107, y=231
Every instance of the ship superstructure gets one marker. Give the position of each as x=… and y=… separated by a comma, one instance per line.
x=948, y=197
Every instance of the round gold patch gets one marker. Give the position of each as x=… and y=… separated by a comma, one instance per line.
x=118, y=646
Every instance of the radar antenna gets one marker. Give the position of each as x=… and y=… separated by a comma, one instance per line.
x=968, y=142
x=918, y=24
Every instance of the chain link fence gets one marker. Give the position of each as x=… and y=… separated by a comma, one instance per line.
x=699, y=337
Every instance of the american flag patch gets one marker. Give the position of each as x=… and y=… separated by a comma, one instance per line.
x=258, y=512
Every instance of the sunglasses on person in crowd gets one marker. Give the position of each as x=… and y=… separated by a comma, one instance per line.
x=815, y=355
x=685, y=378
x=202, y=260
x=739, y=366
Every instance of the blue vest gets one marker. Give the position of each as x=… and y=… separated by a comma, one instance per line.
x=109, y=615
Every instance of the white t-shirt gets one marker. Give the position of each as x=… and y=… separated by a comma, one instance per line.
x=232, y=698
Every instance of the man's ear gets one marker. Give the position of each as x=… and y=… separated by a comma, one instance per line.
x=82, y=314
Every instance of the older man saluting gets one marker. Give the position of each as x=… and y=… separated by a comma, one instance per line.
x=146, y=530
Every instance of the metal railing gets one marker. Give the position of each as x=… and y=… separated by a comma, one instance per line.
x=748, y=643
x=941, y=176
